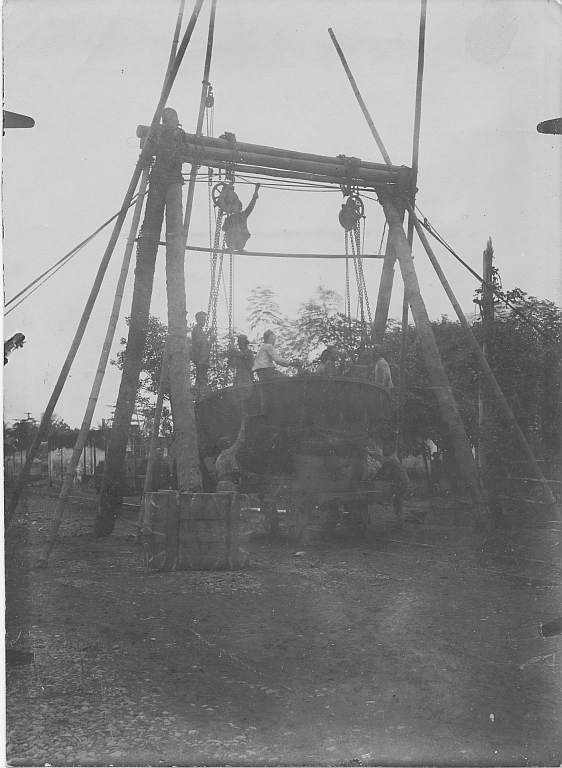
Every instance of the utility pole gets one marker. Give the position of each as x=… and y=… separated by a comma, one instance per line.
x=485, y=407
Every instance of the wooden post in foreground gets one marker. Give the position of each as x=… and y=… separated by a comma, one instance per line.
x=183, y=412
x=79, y=446
x=489, y=377
x=112, y=486
x=434, y=365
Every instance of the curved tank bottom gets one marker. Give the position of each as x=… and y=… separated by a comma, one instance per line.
x=311, y=415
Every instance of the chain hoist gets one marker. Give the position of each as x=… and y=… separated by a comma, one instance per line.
x=347, y=295
x=350, y=215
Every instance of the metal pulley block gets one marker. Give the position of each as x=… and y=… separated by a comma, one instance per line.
x=351, y=212
x=225, y=198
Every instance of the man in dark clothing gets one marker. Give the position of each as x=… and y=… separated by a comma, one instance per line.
x=235, y=226
x=15, y=342
x=393, y=472
x=242, y=360
x=200, y=350
x=327, y=363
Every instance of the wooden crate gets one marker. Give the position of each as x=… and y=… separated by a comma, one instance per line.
x=192, y=531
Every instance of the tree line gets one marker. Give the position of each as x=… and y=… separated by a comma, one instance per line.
x=524, y=352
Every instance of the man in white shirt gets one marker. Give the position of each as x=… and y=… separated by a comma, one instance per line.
x=264, y=364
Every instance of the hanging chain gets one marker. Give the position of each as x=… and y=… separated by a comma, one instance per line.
x=213, y=333
x=210, y=200
x=360, y=269
x=347, y=296
x=359, y=281
x=213, y=266
x=230, y=295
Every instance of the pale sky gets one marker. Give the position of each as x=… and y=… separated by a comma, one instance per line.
x=89, y=71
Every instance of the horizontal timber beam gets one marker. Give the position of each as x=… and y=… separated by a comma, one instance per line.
x=274, y=255
x=255, y=158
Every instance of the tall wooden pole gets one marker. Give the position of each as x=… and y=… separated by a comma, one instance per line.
x=487, y=372
x=432, y=358
x=148, y=479
x=484, y=405
x=183, y=412
x=359, y=98
x=200, y=118
x=385, y=285
x=149, y=475
x=75, y=345
x=111, y=496
x=415, y=164
x=79, y=446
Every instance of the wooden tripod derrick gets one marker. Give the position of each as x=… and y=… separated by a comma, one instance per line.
x=395, y=189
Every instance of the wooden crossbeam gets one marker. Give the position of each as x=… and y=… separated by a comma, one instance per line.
x=254, y=158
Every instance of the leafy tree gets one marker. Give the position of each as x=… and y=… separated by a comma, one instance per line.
x=22, y=432
x=526, y=345
x=526, y=360
x=263, y=311
x=152, y=357
x=57, y=425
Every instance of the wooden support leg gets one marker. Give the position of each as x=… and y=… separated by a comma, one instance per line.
x=489, y=378
x=385, y=289
x=183, y=412
x=434, y=365
x=111, y=496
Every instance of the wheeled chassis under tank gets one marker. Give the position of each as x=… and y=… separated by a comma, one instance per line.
x=305, y=443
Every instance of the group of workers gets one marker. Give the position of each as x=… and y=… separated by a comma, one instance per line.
x=368, y=365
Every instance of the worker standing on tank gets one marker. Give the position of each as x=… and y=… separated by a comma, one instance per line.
x=235, y=226
x=267, y=357
x=242, y=360
x=382, y=376
x=200, y=350
x=327, y=363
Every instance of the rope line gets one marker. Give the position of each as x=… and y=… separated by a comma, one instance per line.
x=500, y=294
x=54, y=268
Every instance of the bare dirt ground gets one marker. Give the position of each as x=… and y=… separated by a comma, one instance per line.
x=407, y=646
